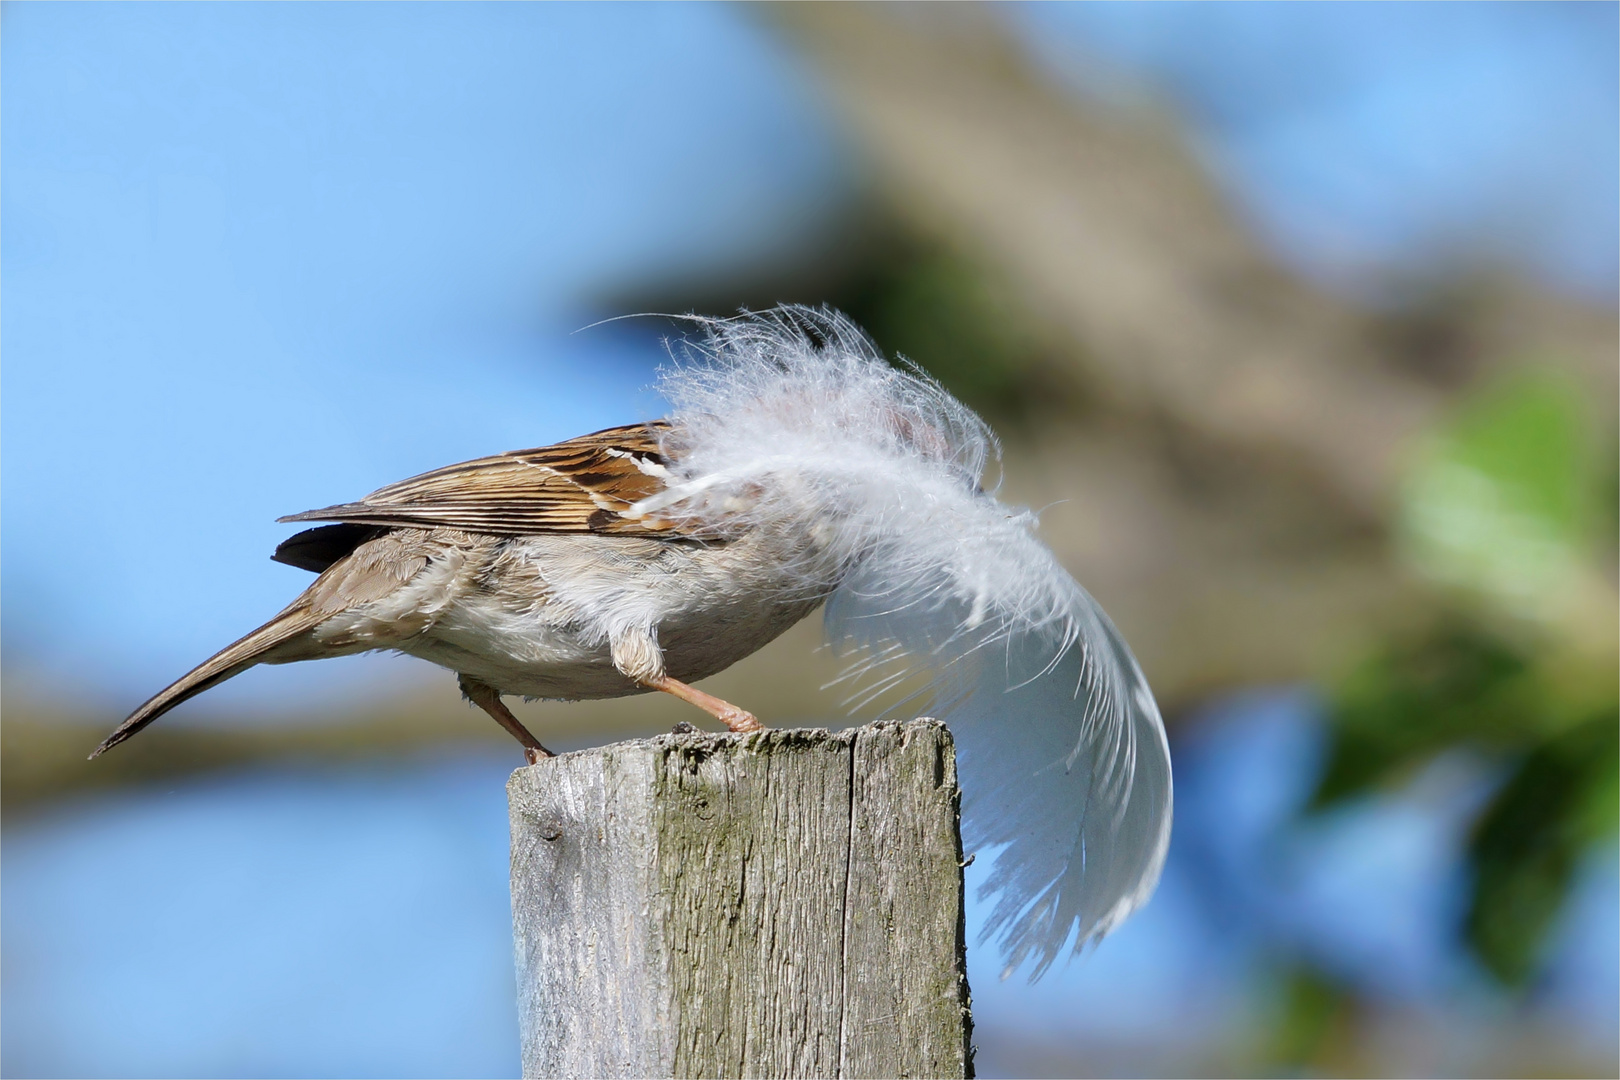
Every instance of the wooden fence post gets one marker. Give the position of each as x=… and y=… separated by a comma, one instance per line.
x=787, y=903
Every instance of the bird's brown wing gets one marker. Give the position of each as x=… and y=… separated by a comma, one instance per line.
x=586, y=484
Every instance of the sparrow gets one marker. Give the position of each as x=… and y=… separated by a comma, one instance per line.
x=499, y=569
x=798, y=468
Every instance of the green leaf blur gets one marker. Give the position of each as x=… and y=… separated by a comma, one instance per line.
x=1500, y=501
x=1498, y=510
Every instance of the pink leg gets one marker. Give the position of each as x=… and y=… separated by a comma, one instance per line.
x=486, y=697
x=728, y=714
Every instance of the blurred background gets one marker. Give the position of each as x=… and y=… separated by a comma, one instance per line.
x=1298, y=322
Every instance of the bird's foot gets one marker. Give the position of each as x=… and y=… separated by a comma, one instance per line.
x=728, y=714
x=739, y=720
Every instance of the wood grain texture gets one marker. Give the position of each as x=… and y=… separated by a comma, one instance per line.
x=787, y=903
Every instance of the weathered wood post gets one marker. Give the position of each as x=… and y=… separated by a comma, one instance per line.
x=787, y=903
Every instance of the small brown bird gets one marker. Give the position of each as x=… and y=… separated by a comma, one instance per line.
x=798, y=467
x=490, y=567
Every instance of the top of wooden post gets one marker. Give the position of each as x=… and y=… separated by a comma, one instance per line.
x=783, y=903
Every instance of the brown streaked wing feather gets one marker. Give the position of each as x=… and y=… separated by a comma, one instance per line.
x=582, y=485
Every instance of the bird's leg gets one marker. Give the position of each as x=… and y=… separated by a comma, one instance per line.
x=728, y=714
x=486, y=697
x=637, y=656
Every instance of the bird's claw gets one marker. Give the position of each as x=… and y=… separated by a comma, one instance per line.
x=741, y=721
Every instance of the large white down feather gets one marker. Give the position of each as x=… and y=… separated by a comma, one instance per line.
x=793, y=421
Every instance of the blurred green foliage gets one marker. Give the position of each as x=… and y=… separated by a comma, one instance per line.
x=1501, y=509
x=1501, y=500
x=1417, y=696
x=1558, y=802
x=1315, y=1013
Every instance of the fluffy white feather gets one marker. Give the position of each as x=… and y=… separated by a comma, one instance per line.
x=792, y=421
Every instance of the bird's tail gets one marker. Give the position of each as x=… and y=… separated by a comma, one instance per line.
x=229, y=662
